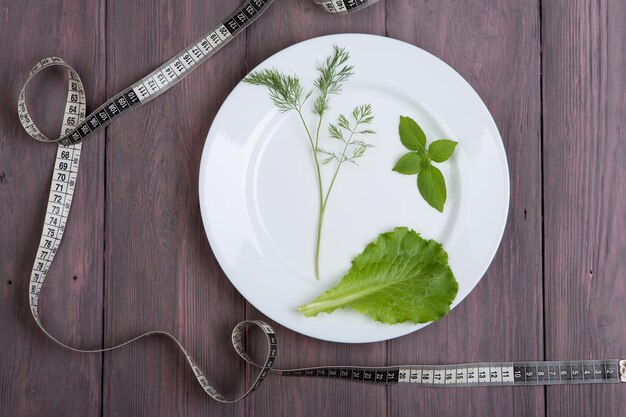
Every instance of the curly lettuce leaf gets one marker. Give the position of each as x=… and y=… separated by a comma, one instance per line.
x=399, y=277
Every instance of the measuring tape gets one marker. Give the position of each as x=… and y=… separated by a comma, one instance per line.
x=77, y=127
x=478, y=374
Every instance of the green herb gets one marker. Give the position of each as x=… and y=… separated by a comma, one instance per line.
x=430, y=181
x=287, y=94
x=399, y=277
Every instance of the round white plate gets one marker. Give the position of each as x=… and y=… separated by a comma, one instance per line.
x=258, y=188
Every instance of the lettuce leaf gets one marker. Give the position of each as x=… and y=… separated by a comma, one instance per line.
x=399, y=277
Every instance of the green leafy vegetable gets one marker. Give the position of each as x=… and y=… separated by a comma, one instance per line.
x=411, y=135
x=430, y=181
x=441, y=150
x=287, y=94
x=411, y=163
x=432, y=186
x=399, y=277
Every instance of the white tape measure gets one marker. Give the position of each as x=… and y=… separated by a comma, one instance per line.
x=77, y=126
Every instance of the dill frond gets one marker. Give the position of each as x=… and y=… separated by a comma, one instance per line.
x=352, y=148
x=285, y=90
x=343, y=122
x=363, y=114
x=333, y=72
x=335, y=132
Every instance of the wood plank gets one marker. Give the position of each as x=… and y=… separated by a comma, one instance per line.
x=496, y=48
x=36, y=375
x=585, y=200
x=160, y=272
x=287, y=23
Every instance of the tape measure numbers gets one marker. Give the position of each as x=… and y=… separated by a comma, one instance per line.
x=478, y=374
x=344, y=6
x=77, y=127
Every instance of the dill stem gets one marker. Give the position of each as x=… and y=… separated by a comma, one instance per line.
x=308, y=133
x=324, y=202
x=339, y=163
x=322, y=208
x=320, y=220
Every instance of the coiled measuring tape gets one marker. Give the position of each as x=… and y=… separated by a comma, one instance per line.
x=77, y=126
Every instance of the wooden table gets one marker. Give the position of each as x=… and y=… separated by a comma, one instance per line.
x=552, y=72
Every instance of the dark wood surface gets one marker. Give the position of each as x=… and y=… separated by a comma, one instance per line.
x=584, y=166
x=36, y=377
x=135, y=258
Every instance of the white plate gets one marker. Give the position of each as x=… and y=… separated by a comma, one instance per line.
x=258, y=190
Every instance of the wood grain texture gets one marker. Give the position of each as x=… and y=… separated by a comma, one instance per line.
x=36, y=375
x=284, y=396
x=136, y=245
x=585, y=198
x=160, y=272
x=496, y=48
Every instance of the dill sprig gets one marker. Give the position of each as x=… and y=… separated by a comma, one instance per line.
x=332, y=74
x=352, y=148
x=285, y=90
x=287, y=94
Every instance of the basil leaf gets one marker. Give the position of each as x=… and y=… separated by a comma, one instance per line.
x=411, y=163
x=430, y=181
x=399, y=277
x=432, y=187
x=441, y=150
x=412, y=136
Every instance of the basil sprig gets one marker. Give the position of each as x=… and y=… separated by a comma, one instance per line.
x=430, y=181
